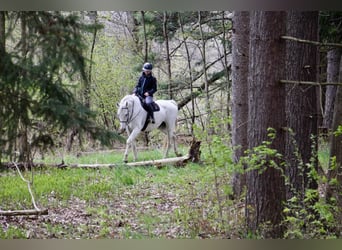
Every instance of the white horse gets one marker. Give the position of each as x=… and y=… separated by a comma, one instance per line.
x=132, y=118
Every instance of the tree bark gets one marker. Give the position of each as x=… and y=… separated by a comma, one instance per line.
x=240, y=43
x=193, y=114
x=88, y=82
x=301, y=102
x=333, y=66
x=335, y=170
x=145, y=36
x=266, y=189
x=206, y=82
x=2, y=66
x=168, y=60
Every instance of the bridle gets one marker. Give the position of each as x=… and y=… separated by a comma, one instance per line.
x=130, y=117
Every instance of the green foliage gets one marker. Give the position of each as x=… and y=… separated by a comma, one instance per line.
x=338, y=132
x=112, y=77
x=12, y=233
x=311, y=215
x=330, y=26
x=40, y=69
x=263, y=156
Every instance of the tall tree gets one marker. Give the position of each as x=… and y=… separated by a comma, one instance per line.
x=190, y=70
x=301, y=101
x=240, y=46
x=265, y=186
x=49, y=51
x=205, y=73
x=145, y=36
x=334, y=188
x=333, y=66
x=167, y=48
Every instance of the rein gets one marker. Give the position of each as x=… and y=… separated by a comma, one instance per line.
x=130, y=118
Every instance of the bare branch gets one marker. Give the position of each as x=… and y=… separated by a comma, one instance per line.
x=311, y=42
x=310, y=83
x=28, y=186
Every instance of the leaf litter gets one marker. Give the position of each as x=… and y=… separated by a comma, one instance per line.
x=143, y=210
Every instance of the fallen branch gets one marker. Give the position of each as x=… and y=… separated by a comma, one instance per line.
x=36, y=211
x=28, y=186
x=23, y=212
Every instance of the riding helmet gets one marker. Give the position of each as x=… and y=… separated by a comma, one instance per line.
x=147, y=66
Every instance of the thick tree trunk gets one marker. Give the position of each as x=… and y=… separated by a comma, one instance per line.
x=333, y=67
x=266, y=189
x=240, y=43
x=301, y=101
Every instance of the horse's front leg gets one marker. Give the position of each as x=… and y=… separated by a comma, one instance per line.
x=134, y=149
x=131, y=142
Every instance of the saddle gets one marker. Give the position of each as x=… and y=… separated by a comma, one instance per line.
x=154, y=107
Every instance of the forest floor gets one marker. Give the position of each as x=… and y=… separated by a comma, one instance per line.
x=123, y=202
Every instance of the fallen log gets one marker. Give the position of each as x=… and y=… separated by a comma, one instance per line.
x=175, y=161
x=23, y=212
x=192, y=156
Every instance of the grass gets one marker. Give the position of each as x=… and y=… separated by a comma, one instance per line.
x=124, y=202
x=121, y=202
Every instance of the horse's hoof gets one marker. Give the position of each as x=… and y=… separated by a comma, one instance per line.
x=125, y=161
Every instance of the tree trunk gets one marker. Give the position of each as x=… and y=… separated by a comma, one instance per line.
x=2, y=39
x=301, y=102
x=335, y=170
x=2, y=64
x=333, y=66
x=168, y=60
x=206, y=88
x=145, y=36
x=87, y=89
x=193, y=114
x=266, y=189
x=240, y=43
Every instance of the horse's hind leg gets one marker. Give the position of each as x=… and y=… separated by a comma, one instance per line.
x=174, y=142
x=167, y=147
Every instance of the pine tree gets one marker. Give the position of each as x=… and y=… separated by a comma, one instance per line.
x=39, y=71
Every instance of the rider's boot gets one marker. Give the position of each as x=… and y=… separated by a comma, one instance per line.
x=150, y=113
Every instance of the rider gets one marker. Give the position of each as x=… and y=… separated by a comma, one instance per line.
x=146, y=87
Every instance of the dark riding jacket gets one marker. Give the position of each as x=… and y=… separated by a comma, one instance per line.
x=146, y=83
